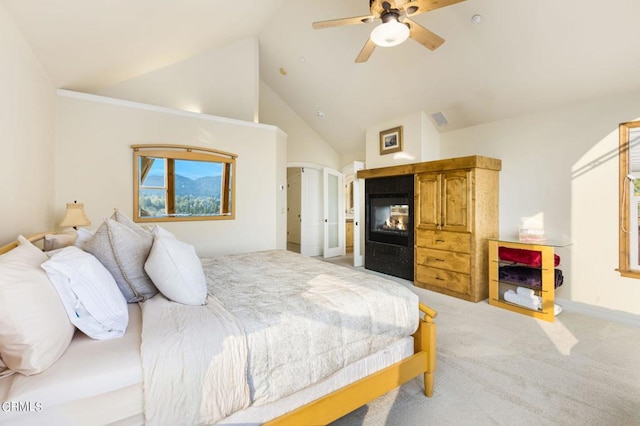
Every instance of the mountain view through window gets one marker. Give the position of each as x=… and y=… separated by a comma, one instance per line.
x=196, y=188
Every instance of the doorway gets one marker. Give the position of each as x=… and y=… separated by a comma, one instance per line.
x=294, y=208
x=305, y=225
x=306, y=216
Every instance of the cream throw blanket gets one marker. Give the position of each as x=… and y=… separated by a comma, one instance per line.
x=194, y=360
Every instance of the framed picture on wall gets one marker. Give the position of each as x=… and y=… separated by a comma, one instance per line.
x=391, y=140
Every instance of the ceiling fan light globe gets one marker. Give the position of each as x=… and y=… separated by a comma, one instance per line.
x=391, y=33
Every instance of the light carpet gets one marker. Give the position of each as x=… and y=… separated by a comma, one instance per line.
x=496, y=367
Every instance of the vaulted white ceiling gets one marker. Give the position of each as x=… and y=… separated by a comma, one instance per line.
x=524, y=55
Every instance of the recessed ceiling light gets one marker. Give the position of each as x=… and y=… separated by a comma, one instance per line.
x=319, y=114
x=302, y=59
x=476, y=19
x=283, y=71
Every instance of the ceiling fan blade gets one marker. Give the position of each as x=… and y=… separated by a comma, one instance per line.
x=423, y=36
x=343, y=21
x=366, y=51
x=417, y=7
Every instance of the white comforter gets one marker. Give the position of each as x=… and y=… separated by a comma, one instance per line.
x=194, y=360
x=288, y=321
x=305, y=319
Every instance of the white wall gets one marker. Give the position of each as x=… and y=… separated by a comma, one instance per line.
x=26, y=137
x=221, y=82
x=94, y=165
x=421, y=142
x=304, y=145
x=564, y=164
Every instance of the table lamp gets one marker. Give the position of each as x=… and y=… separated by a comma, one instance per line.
x=75, y=216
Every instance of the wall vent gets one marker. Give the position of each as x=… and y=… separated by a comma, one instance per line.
x=440, y=119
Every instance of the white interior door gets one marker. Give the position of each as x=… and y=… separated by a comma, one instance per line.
x=333, y=207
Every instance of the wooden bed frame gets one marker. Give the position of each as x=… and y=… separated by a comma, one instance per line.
x=15, y=243
x=351, y=397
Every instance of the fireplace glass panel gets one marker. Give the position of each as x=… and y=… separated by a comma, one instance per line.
x=390, y=216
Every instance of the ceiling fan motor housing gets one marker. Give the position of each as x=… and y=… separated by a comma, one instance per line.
x=390, y=15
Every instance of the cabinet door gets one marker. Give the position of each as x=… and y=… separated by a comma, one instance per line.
x=349, y=236
x=456, y=200
x=427, y=201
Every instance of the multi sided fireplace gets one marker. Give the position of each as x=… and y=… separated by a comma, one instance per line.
x=389, y=225
x=389, y=219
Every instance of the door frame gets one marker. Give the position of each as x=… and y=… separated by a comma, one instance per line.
x=358, y=215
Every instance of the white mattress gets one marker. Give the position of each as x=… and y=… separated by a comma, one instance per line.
x=94, y=382
x=100, y=382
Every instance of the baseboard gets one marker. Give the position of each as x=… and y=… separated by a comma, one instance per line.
x=599, y=312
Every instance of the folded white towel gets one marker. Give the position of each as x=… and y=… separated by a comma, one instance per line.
x=523, y=291
x=528, y=302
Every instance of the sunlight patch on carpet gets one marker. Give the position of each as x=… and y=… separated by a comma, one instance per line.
x=559, y=335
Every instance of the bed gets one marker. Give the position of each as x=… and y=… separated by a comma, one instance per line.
x=131, y=379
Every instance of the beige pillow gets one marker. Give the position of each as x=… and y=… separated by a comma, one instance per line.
x=123, y=251
x=34, y=327
x=58, y=241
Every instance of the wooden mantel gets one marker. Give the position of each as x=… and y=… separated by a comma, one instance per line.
x=473, y=161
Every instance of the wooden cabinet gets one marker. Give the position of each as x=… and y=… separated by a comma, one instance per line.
x=444, y=200
x=545, y=293
x=349, y=236
x=456, y=211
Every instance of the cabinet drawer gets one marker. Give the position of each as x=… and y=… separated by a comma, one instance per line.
x=452, y=281
x=453, y=261
x=443, y=240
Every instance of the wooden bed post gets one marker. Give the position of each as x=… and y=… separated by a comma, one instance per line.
x=425, y=340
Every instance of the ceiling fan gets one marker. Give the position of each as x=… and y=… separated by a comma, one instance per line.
x=396, y=26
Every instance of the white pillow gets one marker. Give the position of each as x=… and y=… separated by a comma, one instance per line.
x=174, y=267
x=82, y=236
x=89, y=293
x=159, y=231
x=34, y=327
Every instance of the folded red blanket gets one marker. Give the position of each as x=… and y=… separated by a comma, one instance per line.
x=526, y=257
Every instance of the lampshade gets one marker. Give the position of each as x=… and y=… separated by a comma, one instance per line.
x=390, y=33
x=75, y=216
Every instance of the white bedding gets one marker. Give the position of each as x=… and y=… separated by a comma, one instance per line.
x=194, y=360
x=305, y=318
x=89, y=370
x=98, y=382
